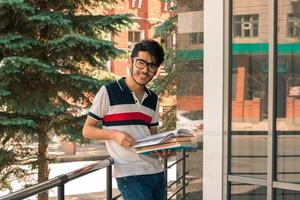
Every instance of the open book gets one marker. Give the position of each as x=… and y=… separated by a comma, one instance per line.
x=166, y=146
x=167, y=140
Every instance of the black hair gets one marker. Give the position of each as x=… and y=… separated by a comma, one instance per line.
x=152, y=47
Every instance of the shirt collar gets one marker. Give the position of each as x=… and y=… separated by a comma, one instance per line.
x=123, y=86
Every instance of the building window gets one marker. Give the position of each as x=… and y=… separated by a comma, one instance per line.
x=168, y=42
x=246, y=26
x=134, y=37
x=136, y=3
x=196, y=38
x=293, y=25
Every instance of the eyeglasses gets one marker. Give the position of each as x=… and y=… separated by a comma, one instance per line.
x=141, y=64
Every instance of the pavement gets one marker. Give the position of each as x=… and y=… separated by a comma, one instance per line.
x=61, y=151
x=71, y=156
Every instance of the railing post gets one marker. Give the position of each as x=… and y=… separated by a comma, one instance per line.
x=183, y=174
x=61, y=192
x=108, y=182
x=166, y=176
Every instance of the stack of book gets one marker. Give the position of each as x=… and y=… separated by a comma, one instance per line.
x=175, y=140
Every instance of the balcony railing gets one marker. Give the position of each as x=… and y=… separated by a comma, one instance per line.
x=61, y=180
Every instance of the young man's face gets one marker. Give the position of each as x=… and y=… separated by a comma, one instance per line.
x=143, y=68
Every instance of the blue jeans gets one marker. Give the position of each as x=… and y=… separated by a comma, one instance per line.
x=143, y=187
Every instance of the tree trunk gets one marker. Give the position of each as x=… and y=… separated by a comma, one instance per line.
x=43, y=162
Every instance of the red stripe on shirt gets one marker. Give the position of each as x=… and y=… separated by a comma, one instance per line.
x=128, y=117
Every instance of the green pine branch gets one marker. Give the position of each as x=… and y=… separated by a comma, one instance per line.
x=166, y=28
x=13, y=15
x=20, y=122
x=79, y=46
x=49, y=52
x=44, y=19
x=17, y=44
x=15, y=6
x=4, y=93
x=15, y=65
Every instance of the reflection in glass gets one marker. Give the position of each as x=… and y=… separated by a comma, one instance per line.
x=249, y=89
x=287, y=195
x=288, y=96
x=189, y=86
x=249, y=92
x=189, y=82
x=288, y=158
x=249, y=154
x=241, y=191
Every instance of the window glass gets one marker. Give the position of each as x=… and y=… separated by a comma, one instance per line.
x=189, y=86
x=136, y=3
x=293, y=28
x=134, y=36
x=287, y=194
x=241, y=191
x=288, y=94
x=245, y=25
x=249, y=89
x=196, y=38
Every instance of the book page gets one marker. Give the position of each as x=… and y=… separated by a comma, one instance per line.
x=155, y=136
x=148, y=142
x=183, y=132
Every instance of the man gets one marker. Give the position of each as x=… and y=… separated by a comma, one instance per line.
x=129, y=111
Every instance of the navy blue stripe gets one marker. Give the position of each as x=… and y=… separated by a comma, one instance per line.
x=154, y=124
x=126, y=122
x=151, y=101
x=94, y=116
x=117, y=96
x=119, y=93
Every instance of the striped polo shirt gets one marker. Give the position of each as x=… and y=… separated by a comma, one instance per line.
x=119, y=109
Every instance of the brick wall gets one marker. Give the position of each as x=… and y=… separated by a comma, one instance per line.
x=247, y=110
x=293, y=109
x=190, y=103
x=150, y=14
x=119, y=67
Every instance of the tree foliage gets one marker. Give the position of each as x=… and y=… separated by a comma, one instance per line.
x=165, y=85
x=48, y=49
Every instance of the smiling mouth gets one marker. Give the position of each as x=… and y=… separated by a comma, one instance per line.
x=143, y=77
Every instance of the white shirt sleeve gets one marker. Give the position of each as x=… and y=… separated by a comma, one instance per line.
x=100, y=105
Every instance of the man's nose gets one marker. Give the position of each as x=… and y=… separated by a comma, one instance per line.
x=145, y=69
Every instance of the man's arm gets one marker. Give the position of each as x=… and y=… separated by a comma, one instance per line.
x=92, y=132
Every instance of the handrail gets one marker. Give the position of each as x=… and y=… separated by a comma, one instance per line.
x=58, y=181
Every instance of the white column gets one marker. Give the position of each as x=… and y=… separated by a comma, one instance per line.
x=213, y=100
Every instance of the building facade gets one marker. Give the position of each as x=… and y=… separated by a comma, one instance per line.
x=146, y=15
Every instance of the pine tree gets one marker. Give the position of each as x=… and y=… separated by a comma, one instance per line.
x=47, y=51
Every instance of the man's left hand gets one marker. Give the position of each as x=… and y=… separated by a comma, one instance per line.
x=164, y=153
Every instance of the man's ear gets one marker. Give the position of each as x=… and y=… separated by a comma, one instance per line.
x=129, y=65
x=129, y=61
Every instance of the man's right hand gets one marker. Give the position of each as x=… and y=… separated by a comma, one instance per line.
x=124, y=139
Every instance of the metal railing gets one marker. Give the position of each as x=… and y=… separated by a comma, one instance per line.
x=61, y=180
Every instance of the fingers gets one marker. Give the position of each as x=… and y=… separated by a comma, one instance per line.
x=128, y=141
x=164, y=153
x=131, y=140
x=124, y=139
